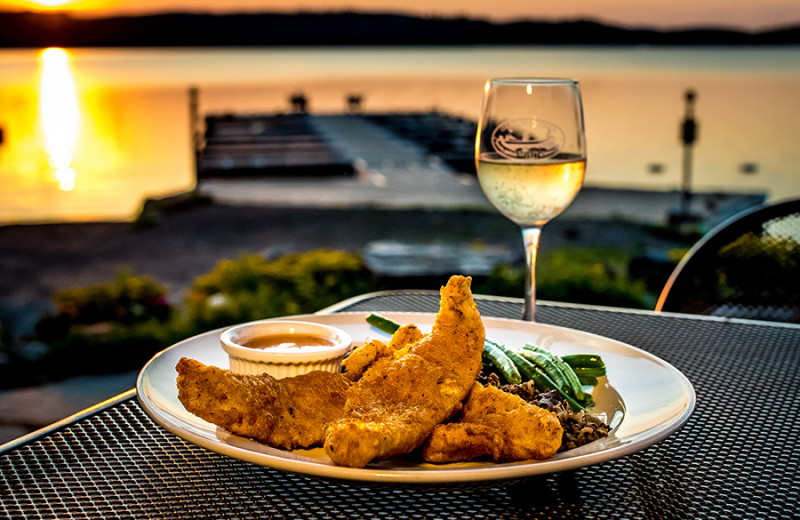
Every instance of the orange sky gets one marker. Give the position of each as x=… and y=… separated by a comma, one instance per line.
x=743, y=14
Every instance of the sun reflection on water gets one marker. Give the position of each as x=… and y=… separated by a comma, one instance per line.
x=59, y=113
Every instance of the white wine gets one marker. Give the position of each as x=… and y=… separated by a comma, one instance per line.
x=530, y=152
x=531, y=193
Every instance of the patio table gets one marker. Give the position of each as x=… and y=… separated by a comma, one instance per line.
x=737, y=456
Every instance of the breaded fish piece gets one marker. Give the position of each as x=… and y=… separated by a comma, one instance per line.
x=361, y=358
x=371, y=352
x=404, y=336
x=283, y=413
x=498, y=424
x=456, y=442
x=394, y=407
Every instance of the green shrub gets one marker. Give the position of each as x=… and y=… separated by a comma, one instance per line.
x=579, y=275
x=95, y=328
x=119, y=326
x=252, y=287
x=129, y=299
x=596, y=276
x=504, y=280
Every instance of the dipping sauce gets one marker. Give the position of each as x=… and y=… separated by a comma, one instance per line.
x=291, y=342
x=284, y=348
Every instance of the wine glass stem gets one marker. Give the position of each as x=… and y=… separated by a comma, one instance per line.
x=530, y=237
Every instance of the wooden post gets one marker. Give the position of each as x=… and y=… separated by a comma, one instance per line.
x=194, y=125
x=688, y=137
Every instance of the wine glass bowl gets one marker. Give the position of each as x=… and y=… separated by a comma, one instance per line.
x=530, y=154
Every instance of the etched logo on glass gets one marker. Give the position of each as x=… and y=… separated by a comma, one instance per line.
x=527, y=139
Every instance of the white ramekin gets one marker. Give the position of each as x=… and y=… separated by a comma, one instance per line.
x=282, y=363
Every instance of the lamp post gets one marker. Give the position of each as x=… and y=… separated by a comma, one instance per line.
x=688, y=137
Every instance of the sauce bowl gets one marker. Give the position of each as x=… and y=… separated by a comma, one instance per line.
x=284, y=348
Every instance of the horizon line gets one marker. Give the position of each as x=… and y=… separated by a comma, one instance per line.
x=710, y=26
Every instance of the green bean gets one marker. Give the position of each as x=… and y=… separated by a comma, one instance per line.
x=498, y=359
x=596, y=372
x=530, y=370
x=566, y=371
x=546, y=366
x=383, y=323
x=584, y=360
x=589, y=375
x=538, y=376
x=586, y=379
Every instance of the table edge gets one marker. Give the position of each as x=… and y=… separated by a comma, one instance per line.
x=344, y=304
x=51, y=428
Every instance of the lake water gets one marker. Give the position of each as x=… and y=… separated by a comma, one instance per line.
x=89, y=133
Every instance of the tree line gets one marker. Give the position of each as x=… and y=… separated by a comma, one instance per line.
x=29, y=29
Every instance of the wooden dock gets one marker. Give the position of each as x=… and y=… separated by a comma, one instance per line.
x=281, y=145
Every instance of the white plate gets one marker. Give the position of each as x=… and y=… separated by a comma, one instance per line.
x=645, y=399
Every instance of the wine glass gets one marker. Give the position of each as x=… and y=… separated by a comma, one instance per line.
x=530, y=153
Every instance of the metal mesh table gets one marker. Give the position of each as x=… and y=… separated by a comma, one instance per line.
x=738, y=456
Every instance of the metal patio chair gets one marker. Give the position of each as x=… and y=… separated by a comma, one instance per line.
x=747, y=267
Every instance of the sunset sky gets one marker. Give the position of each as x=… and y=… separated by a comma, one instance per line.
x=740, y=14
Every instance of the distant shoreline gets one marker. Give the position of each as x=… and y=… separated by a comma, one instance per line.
x=186, y=29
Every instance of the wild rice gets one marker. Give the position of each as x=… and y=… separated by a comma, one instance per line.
x=579, y=427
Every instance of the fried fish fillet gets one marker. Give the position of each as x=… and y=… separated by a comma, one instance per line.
x=376, y=351
x=361, y=358
x=285, y=413
x=395, y=405
x=500, y=425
